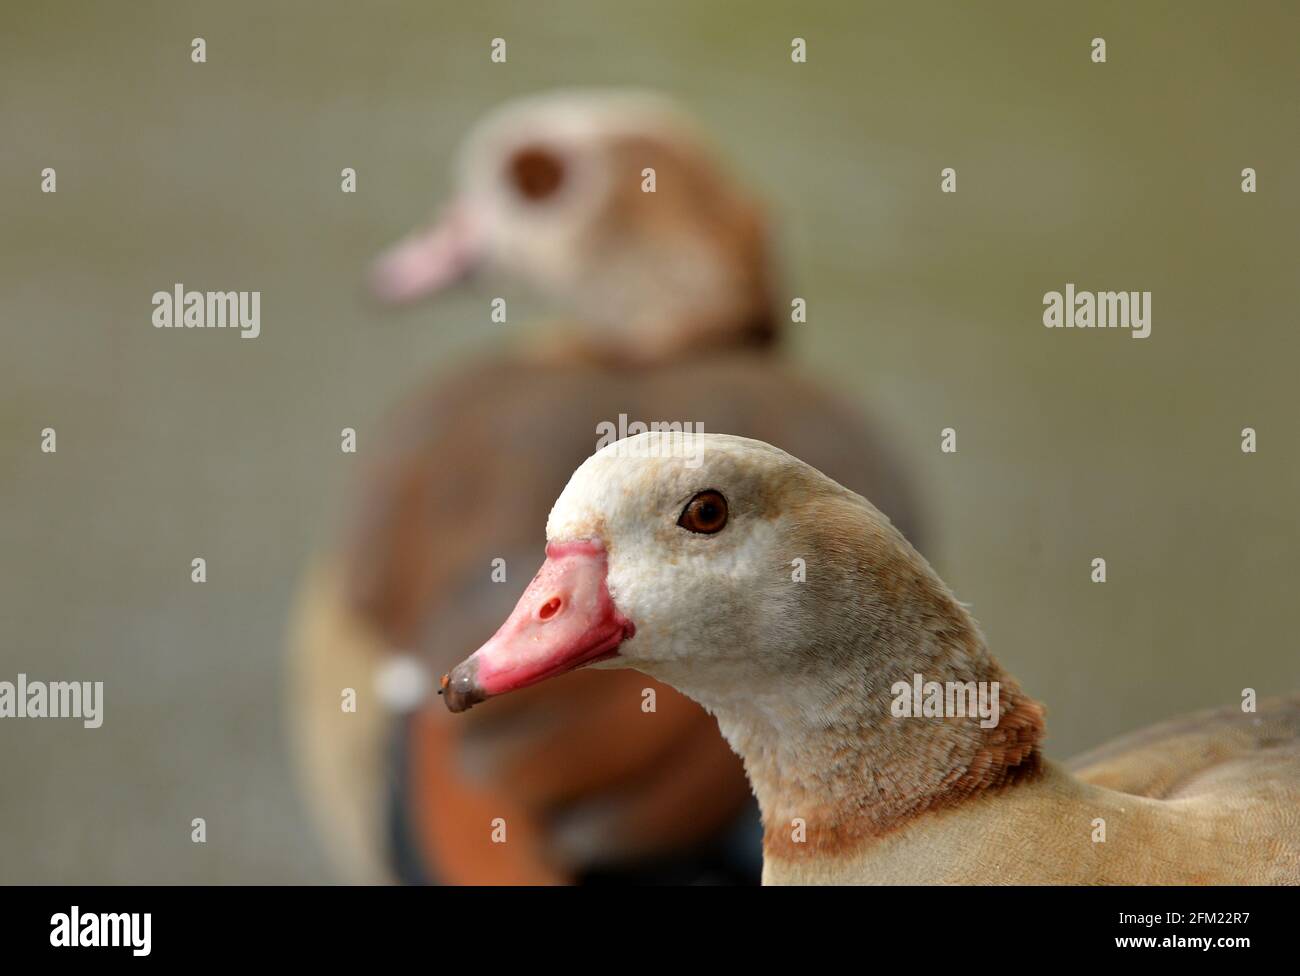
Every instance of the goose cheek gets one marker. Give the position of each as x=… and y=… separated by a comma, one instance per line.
x=565, y=619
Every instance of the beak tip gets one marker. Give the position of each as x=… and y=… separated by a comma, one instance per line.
x=460, y=689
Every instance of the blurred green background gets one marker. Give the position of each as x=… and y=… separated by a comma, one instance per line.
x=925, y=306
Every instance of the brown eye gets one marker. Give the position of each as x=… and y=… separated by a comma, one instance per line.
x=706, y=513
x=535, y=173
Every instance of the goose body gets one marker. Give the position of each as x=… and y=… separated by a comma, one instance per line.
x=674, y=558
x=670, y=320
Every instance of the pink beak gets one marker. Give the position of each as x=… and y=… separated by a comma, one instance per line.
x=429, y=259
x=565, y=619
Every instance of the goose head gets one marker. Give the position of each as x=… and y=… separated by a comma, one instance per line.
x=550, y=191
x=712, y=562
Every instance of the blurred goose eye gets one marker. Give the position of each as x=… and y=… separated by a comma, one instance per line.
x=706, y=513
x=535, y=173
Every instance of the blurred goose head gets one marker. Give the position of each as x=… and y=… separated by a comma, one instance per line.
x=611, y=205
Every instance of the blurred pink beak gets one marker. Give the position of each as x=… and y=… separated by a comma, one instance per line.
x=565, y=619
x=430, y=259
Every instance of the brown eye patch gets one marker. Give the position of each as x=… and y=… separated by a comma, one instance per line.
x=706, y=513
x=535, y=173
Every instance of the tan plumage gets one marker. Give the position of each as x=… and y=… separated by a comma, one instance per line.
x=1197, y=755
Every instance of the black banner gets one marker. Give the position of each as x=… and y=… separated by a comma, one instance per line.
x=142, y=926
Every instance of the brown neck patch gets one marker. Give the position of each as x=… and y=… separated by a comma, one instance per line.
x=842, y=823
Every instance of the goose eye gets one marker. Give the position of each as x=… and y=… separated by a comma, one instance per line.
x=706, y=513
x=535, y=173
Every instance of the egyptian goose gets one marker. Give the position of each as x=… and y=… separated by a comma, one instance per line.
x=669, y=318
x=674, y=557
x=553, y=193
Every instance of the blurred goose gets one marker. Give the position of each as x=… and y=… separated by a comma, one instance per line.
x=669, y=318
x=673, y=557
x=551, y=194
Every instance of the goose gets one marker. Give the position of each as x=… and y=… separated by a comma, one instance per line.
x=667, y=316
x=682, y=571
